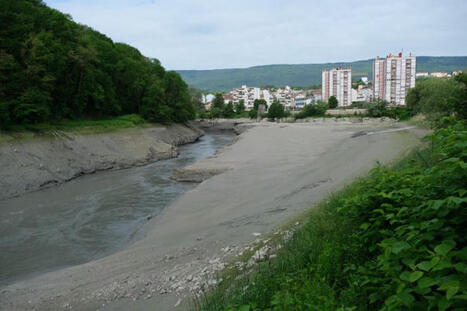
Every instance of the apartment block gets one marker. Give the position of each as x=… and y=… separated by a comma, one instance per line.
x=393, y=77
x=337, y=82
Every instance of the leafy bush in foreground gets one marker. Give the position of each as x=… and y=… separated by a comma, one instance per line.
x=396, y=240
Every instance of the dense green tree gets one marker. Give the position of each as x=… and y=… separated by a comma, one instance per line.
x=253, y=114
x=276, y=111
x=228, y=111
x=438, y=97
x=215, y=113
x=52, y=68
x=153, y=107
x=32, y=106
x=460, y=105
x=333, y=102
x=197, y=99
x=177, y=97
x=258, y=102
x=321, y=107
x=240, y=107
x=378, y=108
x=313, y=110
x=218, y=102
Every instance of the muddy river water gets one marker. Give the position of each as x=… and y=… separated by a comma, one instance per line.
x=92, y=216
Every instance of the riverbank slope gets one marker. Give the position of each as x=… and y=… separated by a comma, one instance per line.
x=272, y=173
x=43, y=161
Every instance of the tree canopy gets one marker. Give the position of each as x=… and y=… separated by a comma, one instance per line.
x=276, y=111
x=333, y=102
x=218, y=101
x=439, y=97
x=52, y=68
x=240, y=107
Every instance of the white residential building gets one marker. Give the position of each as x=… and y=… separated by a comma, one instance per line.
x=285, y=96
x=316, y=94
x=393, y=77
x=337, y=82
x=362, y=94
x=250, y=94
x=422, y=75
x=439, y=74
x=302, y=98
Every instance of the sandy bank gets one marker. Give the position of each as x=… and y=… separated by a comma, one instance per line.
x=271, y=173
x=28, y=165
x=238, y=126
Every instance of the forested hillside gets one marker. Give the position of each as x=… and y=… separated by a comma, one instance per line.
x=52, y=68
x=300, y=75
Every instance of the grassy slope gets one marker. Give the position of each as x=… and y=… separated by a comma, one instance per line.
x=299, y=75
x=393, y=241
x=83, y=127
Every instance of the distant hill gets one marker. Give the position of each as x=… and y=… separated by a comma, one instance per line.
x=300, y=75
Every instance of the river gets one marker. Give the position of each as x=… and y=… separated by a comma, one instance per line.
x=91, y=216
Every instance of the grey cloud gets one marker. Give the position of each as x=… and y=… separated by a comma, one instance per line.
x=204, y=34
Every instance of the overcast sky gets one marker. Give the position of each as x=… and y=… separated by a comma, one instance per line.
x=208, y=34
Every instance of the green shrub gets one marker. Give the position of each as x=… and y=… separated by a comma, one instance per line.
x=276, y=111
x=240, y=107
x=312, y=110
x=378, y=108
x=436, y=98
x=228, y=111
x=133, y=118
x=333, y=102
x=253, y=114
x=215, y=113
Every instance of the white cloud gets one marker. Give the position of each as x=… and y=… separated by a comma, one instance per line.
x=197, y=34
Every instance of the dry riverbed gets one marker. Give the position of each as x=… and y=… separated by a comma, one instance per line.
x=272, y=173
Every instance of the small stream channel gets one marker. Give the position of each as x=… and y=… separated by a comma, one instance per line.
x=92, y=216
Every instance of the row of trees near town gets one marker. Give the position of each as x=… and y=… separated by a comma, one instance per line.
x=53, y=69
x=276, y=110
x=433, y=97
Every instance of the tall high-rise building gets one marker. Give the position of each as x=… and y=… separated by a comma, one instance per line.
x=337, y=82
x=393, y=77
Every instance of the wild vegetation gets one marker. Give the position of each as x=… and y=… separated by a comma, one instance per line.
x=317, y=109
x=381, y=108
x=436, y=98
x=220, y=109
x=53, y=69
x=277, y=111
x=394, y=240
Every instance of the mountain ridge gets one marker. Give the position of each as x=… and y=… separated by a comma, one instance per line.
x=300, y=74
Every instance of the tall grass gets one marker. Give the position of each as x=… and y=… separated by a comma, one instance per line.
x=307, y=267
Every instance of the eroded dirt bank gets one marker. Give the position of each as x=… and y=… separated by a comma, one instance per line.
x=28, y=165
x=272, y=172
